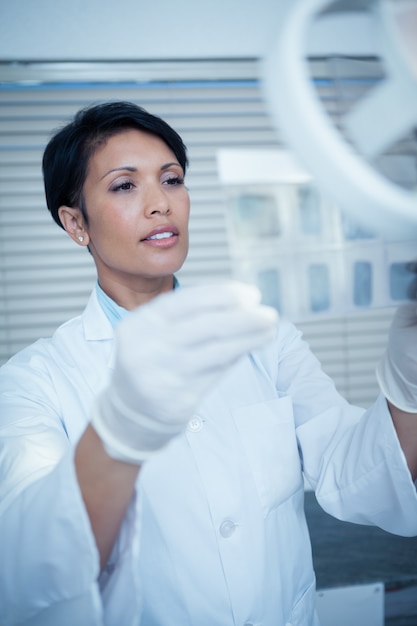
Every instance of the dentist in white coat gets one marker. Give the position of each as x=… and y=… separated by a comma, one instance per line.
x=152, y=451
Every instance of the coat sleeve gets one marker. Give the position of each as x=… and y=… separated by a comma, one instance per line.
x=48, y=558
x=351, y=457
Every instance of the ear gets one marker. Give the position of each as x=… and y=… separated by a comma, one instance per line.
x=73, y=222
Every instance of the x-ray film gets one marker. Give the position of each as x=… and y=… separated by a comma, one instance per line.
x=307, y=257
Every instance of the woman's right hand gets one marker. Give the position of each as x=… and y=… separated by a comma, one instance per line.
x=169, y=353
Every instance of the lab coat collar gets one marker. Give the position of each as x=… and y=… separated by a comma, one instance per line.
x=95, y=323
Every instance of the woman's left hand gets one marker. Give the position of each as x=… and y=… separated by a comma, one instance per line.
x=397, y=370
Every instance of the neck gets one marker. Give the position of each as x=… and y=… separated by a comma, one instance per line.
x=130, y=297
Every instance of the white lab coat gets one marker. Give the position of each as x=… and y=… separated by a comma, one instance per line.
x=216, y=534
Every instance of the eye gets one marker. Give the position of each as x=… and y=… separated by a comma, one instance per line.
x=174, y=180
x=126, y=185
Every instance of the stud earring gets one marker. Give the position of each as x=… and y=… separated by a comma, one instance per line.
x=81, y=238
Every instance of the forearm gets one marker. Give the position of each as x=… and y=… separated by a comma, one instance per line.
x=107, y=486
x=406, y=426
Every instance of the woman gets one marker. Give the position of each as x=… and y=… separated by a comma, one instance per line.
x=153, y=449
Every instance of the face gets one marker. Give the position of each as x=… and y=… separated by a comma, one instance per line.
x=137, y=208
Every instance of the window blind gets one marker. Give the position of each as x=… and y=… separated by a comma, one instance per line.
x=45, y=278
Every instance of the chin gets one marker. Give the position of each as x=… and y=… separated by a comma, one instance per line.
x=168, y=269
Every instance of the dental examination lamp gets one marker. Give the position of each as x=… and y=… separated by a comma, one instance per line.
x=343, y=165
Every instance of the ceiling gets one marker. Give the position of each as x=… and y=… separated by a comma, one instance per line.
x=98, y=30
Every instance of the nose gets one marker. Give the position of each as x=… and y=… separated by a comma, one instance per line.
x=156, y=201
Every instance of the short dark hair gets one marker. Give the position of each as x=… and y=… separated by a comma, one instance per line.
x=66, y=157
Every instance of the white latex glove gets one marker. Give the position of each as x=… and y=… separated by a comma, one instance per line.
x=168, y=354
x=397, y=370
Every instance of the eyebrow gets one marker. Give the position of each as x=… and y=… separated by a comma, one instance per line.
x=128, y=168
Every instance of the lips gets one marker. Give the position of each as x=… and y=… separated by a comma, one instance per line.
x=161, y=233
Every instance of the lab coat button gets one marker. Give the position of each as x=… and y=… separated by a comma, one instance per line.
x=227, y=528
x=195, y=424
